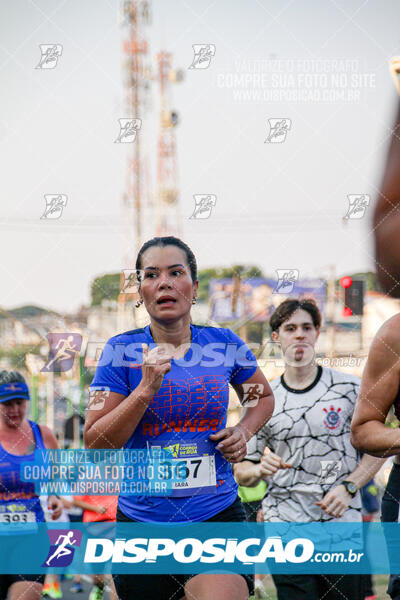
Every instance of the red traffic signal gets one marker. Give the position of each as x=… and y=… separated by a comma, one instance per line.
x=346, y=282
x=353, y=296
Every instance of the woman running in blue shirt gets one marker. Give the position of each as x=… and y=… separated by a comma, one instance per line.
x=169, y=387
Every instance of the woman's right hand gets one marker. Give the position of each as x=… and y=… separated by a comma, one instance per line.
x=156, y=364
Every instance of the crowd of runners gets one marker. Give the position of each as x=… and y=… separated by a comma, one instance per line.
x=302, y=452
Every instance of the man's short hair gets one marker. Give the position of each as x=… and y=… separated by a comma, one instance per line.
x=288, y=307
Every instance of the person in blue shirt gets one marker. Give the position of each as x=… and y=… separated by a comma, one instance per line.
x=20, y=507
x=168, y=387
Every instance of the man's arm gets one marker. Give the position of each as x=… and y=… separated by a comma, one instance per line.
x=249, y=474
x=337, y=500
x=386, y=220
x=379, y=387
x=366, y=469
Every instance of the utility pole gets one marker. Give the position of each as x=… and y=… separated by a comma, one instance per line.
x=50, y=399
x=168, y=217
x=237, y=295
x=331, y=305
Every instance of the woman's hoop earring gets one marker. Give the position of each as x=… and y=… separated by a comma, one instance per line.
x=194, y=300
x=138, y=302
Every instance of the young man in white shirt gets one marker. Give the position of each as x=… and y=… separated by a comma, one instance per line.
x=304, y=451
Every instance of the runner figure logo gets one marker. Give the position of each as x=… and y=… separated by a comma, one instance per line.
x=203, y=54
x=50, y=55
x=131, y=282
x=55, y=203
x=63, y=348
x=97, y=398
x=128, y=129
x=358, y=204
x=330, y=471
x=278, y=129
x=286, y=280
x=174, y=449
x=332, y=419
x=203, y=204
x=61, y=550
x=252, y=393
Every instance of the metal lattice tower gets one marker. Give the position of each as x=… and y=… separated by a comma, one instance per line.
x=137, y=81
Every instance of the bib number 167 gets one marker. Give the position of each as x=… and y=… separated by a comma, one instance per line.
x=179, y=469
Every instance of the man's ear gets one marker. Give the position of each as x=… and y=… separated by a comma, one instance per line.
x=274, y=336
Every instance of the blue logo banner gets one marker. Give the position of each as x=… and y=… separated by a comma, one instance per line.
x=110, y=547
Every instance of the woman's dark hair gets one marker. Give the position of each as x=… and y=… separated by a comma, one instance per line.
x=161, y=242
x=288, y=307
x=11, y=377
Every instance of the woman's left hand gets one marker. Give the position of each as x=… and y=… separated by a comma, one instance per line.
x=232, y=445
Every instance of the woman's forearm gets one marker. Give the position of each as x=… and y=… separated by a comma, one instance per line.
x=255, y=417
x=115, y=428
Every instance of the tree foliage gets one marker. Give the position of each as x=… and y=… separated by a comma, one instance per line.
x=105, y=287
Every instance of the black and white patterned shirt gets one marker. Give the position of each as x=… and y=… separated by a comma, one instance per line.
x=310, y=429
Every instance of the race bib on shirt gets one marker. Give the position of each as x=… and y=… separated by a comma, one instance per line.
x=16, y=518
x=190, y=466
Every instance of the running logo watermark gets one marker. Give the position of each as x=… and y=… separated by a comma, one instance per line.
x=203, y=53
x=97, y=398
x=358, y=204
x=55, y=203
x=286, y=280
x=93, y=353
x=128, y=129
x=132, y=279
x=278, y=129
x=62, y=351
x=50, y=53
x=62, y=547
x=203, y=205
x=330, y=471
x=252, y=394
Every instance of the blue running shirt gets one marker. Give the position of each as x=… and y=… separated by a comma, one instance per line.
x=18, y=501
x=191, y=405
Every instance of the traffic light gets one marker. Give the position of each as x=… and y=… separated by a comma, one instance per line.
x=353, y=296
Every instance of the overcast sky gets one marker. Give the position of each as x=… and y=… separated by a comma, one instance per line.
x=279, y=205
